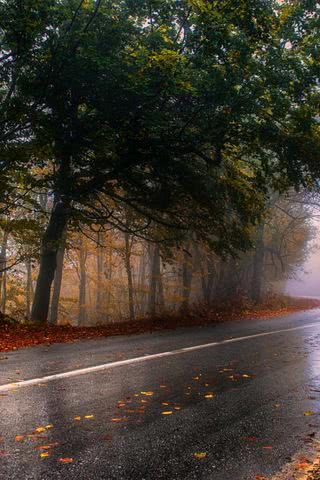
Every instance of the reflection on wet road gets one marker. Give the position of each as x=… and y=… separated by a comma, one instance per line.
x=236, y=411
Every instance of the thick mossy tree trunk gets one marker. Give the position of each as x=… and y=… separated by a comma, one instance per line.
x=54, y=308
x=50, y=245
x=258, y=266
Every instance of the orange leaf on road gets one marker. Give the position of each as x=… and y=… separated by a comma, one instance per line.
x=200, y=455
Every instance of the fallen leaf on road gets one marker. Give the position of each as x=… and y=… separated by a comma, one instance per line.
x=65, y=460
x=44, y=454
x=168, y=412
x=40, y=429
x=245, y=375
x=46, y=447
x=34, y=436
x=88, y=416
x=49, y=426
x=147, y=394
x=19, y=438
x=77, y=418
x=308, y=413
x=209, y=395
x=200, y=455
x=267, y=447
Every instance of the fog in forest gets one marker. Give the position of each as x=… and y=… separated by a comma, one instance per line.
x=306, y=281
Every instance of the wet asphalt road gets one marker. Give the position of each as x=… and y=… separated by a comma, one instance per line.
x=241, y=406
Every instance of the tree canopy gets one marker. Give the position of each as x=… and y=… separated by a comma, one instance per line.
x=185, y=111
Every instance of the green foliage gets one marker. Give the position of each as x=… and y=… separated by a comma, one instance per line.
x=186, y=111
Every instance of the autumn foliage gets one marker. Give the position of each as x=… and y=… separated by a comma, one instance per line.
x=14, y=335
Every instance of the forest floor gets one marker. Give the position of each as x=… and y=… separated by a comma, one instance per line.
x=14, y=335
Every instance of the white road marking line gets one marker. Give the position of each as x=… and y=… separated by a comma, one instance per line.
x=130, y=361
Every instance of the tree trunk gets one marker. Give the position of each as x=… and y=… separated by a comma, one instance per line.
x=154, y=272
x=258, y=266
x=28, y=288
x=48, y=260
x=53, y=318
x=4, y=293
x=210, y=280
x=82, y=284
x=208, y=274
x=99, y=297
x=3, y=272
x=187, y=274
x=142, y=280
x=108, y=276
x=129, y=274
x=160, y=285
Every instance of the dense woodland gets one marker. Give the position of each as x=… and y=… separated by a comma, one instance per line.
x=155, y=155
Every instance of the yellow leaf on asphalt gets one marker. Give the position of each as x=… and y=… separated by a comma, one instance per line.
x=44, y=454
x=47, y=447
x=209, y=395
x=77, y=418
x=19, y=438
x=308, y=413
x=167, y=412
x=40, y=429
x=89, y=416
x=147, y=394
x=245, y=375
x=49, y=426
x=164, y=403
x=200, y=455
x=177, y=408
